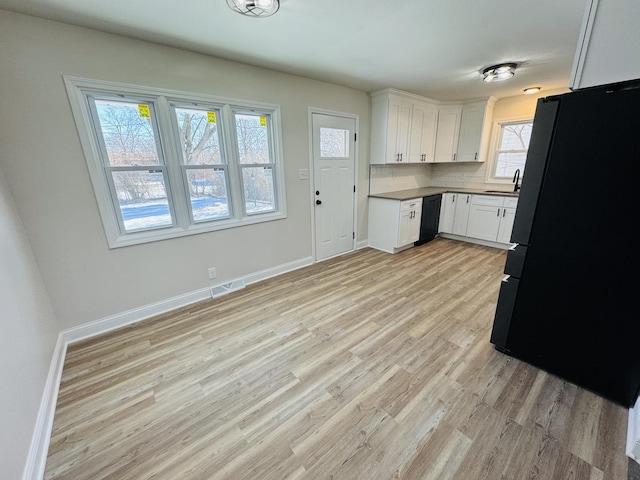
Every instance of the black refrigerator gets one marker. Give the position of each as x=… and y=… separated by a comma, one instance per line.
x=570, y=302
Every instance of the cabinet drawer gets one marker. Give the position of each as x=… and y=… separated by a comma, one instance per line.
x=511, y=202
x=488, y=200
x=413, y=204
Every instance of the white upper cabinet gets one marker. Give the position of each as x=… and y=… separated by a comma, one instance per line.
x=402, y=128
x=424, y=118
x=447, y=133
x=475, y=131
x=609, y=44
x=407, y=128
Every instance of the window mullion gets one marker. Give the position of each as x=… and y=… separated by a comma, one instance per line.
x=172, y=154
x=235, y=174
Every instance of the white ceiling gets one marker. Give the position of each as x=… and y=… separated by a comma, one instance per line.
x=434, y=48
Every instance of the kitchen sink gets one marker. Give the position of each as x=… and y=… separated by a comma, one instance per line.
x=502, y=192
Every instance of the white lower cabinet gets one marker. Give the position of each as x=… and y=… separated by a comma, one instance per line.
x=394, y=224
x=506, y=220
x=491, y=218
x=454, y=213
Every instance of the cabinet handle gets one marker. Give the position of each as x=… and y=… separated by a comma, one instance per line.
x=504, y=212
x=498, y=213
x=476, y=157
x=453, y=198
x=467, y=198
x=400, y=157
x=454, y=157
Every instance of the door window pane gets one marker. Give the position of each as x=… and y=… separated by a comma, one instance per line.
x=334, y=142
x=142, y=198
x=253, y=138
x=198, y=133
x=208, y=194
x=259, y=194
x=127, y=132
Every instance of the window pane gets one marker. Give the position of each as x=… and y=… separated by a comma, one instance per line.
x=208, y=193
x=516, y=136
x=198, y=131
x=142, y=198
x=508, y=162
x=334, y=143
x=253, y=138
x=258, y=189
x=127, y=132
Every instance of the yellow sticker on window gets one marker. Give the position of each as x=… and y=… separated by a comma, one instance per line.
x=143, y=111
x=211, y=117
x=263, y=121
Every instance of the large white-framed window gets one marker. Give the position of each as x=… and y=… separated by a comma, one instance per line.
x=511, y=145
x=166, y=163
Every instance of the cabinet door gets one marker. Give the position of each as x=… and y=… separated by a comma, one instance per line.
x=422, y=140
x=506, y=225
x=398, y=131
x=461, y=217
x=470, y=139
x=447, y=212
x=409, y=227
x=484, y=221
x=403, y=228
x=447, y=133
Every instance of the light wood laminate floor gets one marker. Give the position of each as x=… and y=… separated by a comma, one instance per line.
x=367, y=366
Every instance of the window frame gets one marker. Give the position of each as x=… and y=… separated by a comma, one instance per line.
x=164, y=101
x=495, y=150
x=241, y=166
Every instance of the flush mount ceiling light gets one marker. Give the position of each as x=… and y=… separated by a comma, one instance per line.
x=499, y=72
x=531, y=90
x=255, y=8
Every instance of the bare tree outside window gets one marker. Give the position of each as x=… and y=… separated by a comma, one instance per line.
x=513, y=145
x=252, y=133
x=133, y=164
x=204, y=165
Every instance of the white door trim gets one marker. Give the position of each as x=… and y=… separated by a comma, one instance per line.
x=334, y=113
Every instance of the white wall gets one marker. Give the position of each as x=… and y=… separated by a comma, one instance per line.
x=29, y=331
x=48, y=177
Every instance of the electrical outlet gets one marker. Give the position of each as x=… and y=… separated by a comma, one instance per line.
x=212, y=273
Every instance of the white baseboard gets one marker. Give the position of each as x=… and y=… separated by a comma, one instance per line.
x=362, y=244
x=37, y=458
x=279, y=270
x=135, y=315
x=477, y=241
x=633, y=433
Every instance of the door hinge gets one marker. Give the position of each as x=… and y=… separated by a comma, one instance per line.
x=355, y=137
x=354, y=235
x=354, y=189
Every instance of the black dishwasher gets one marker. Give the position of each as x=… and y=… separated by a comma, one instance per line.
x=430, y=218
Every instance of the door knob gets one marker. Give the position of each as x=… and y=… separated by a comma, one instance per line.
x=318, y=202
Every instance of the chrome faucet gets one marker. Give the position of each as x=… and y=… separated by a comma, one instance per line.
x=516, y=177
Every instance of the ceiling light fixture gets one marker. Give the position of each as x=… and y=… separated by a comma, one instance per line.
x=499, y=72
x=255, y=8
x=531, y=90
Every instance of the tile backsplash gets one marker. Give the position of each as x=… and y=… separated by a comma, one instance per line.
x=391, y=178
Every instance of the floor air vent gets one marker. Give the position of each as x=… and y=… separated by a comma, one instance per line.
x=228, y=287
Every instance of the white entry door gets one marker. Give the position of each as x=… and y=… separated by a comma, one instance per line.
x=334, y=183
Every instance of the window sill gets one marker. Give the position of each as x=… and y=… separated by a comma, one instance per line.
x=175, y=232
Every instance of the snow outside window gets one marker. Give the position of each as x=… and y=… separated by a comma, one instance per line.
x=166, y=164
